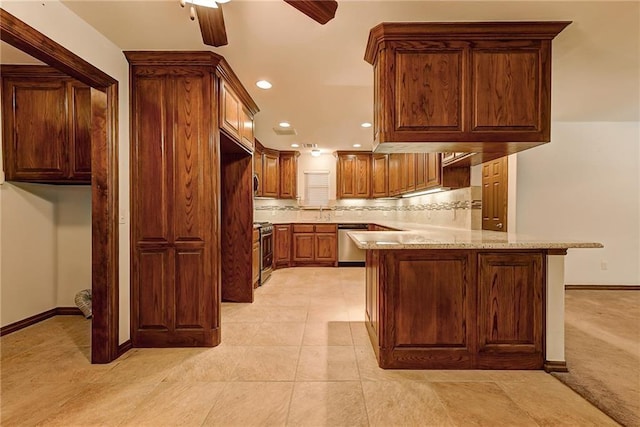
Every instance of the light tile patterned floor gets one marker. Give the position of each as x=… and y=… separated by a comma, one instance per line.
x=299, y=356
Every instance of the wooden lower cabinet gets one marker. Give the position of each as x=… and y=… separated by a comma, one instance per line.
x=282, y=246
x=315, y=244
x=455, y=309
x=255, y=268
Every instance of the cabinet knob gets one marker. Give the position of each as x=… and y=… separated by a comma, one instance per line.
x=499, y=225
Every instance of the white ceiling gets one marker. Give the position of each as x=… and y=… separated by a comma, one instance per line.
x=323, y=86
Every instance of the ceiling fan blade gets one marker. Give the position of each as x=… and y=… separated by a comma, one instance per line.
x=212, y=27
x=321, y=11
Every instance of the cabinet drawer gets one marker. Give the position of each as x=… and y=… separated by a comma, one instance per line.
x=326, y=228
x=303, y=228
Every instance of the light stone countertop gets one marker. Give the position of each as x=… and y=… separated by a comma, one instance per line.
x=424, y=236
x=431, y=237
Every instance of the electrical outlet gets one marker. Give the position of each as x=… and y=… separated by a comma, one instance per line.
x=273, y=212
x=359, y=213
x=604, y=265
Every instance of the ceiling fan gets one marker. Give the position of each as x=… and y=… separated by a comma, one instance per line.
x=211, y=20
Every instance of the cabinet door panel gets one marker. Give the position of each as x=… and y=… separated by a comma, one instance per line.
x=151, y=292
x=152, y=162
x=379, y=175
x=288, y=175
x=230, y=111
x=189, y=162
x=505, y=90
x=395, y=172
x=410, y=171
x=282, y=247
x=246, y=128
x=39, y=131
x=510, y=307
x=346, y=176
x=434, y=170
x=271, y=177
x=190, y=296
x=303, y=245
x=363, y=176
x=432, y=304
x=326, y=247
x=80, y=140
x=428, y=90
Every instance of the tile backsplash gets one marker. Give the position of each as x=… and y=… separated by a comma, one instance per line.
x=461, y=208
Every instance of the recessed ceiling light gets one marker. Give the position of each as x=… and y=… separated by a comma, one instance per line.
x=263, y=84
x=357, y=145
x=295, y=145
x=315, y=152
x=366, y=125
x=284, y=124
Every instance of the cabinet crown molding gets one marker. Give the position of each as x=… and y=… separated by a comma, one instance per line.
x=417, y=31
x=195, y=58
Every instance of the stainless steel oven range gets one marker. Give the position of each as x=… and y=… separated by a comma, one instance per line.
x=266, y=251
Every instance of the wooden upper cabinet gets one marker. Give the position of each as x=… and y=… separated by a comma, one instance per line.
x=46, y=126
x=353, y=175
x=410, y=172
x=236, y=120
x=230, y=110
x=380, y=175
x=482, y=87
x=270, y=173
x=80, y=127
x=395, y=173
x=246, y=128
x=428, y=171
x=288, y=188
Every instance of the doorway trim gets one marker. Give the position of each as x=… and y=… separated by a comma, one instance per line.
x=104, y=178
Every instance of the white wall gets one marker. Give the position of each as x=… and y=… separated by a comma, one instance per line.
x=73, y=242
x=584, y=185
x=57, y=22
x=28, y=240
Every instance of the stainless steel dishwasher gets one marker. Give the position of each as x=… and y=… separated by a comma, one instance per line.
x=348, y=253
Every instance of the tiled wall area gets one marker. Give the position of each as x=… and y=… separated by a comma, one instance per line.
x=460, y=208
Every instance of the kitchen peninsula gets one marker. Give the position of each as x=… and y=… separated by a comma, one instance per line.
x=445, y=298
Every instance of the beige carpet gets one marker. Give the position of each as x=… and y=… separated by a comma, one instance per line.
x=603, y=351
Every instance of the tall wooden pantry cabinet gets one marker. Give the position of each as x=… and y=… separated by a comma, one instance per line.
x=175, y=198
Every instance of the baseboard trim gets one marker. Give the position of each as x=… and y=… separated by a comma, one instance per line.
x=68, y=311
x=37, y=318
x=124, y=347
x=602, y=287
x=555, y=366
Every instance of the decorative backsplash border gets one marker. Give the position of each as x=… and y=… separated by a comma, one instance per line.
x=439, y=206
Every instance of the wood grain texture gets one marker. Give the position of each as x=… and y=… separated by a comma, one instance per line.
x=175, y=206
x=282, y=246
x=326, y=247
x=395, y=173
x=456, y=309
x=104, y=164
x=505, y=88
x=353, y=175
x=303, y=247
x=258, y=168
x=510, y=310
x=380, y=175
x=36, y=133
x=321, y=11
x=237, y=225
x=212, y=26
x=428, y=90
x=230, y=107
x=495, y=181
x=480, y=87
x=104, y=225
x=288, y=174
x=270, y=173
x=79, y=152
